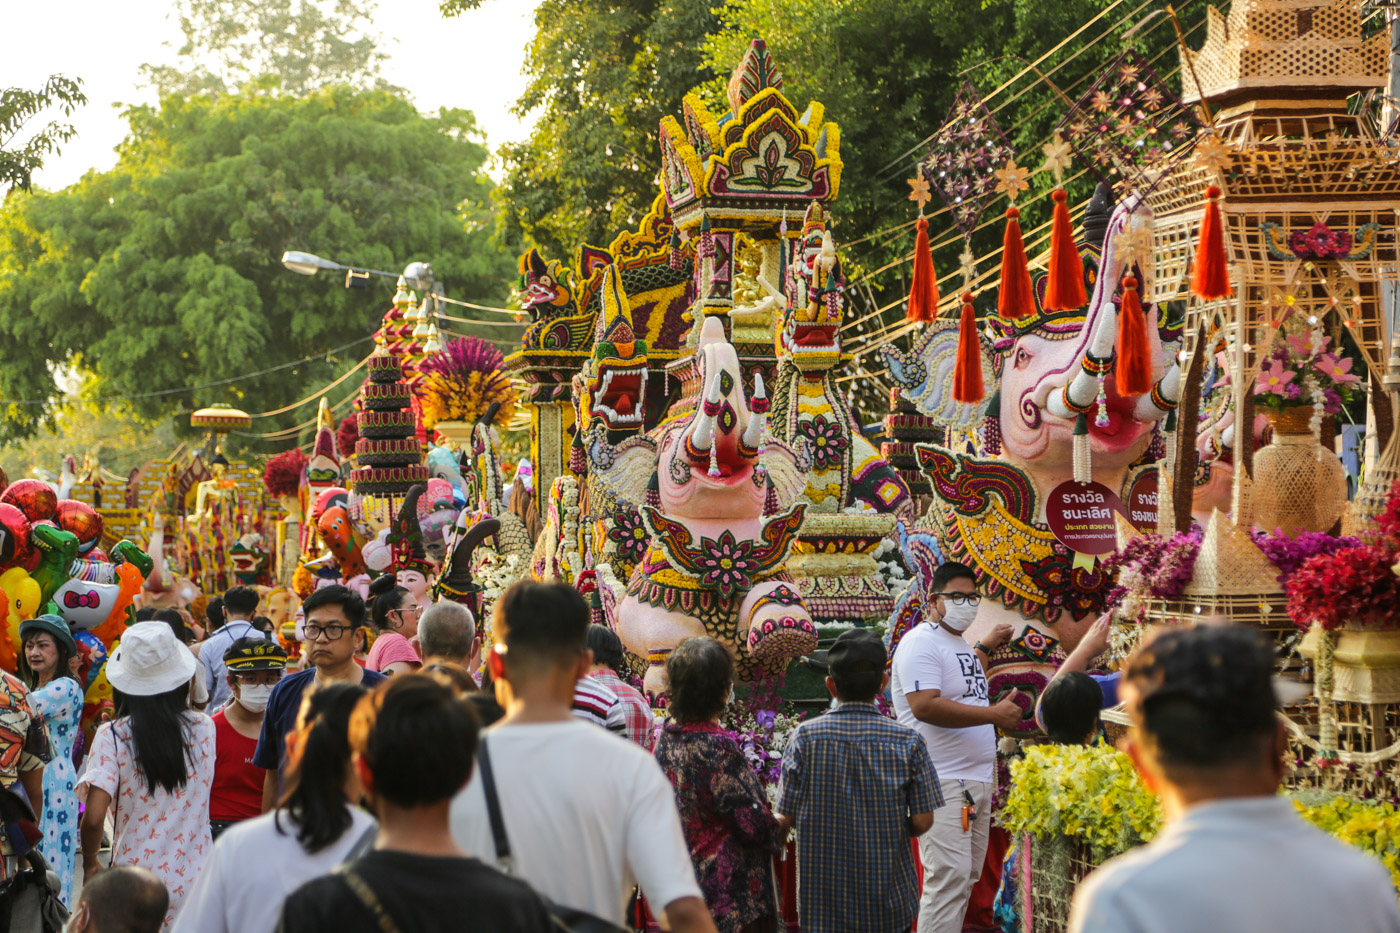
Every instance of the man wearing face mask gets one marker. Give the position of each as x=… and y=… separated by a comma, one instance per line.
x=940, y=691
x=254, y=668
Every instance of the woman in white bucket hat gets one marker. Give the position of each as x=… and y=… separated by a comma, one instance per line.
x=154, y=763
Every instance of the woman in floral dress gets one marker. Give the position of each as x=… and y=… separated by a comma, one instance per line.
x=729, y=828
x=152, y=766
x=47, y=650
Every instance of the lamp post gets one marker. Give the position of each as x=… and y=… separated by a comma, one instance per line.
x=417, y=275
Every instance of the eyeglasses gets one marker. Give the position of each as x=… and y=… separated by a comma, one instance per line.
x=332, y=632
x=962, y=599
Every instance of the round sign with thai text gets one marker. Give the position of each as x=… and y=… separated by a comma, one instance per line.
x=1142, y=502
x=1081, y=516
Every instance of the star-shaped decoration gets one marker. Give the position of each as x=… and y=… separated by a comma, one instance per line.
x=968, y=266
x=1213, y=154
x=1057, y=157
x=919, y=192
x=1011, y=180
x=1131, y=244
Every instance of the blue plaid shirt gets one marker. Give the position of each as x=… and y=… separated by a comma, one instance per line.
x=851, y=779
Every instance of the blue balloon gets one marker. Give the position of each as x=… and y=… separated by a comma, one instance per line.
x=96, y=650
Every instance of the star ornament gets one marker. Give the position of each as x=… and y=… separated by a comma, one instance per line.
x=1012, y=179
x=1213, y=154
x=919, y=191
x=968, y=266
x=1131, y=244
x=1057, y=157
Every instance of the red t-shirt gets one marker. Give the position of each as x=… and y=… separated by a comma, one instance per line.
x=238, y=784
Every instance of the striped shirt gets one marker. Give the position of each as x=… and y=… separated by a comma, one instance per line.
x=636, y=711
x=595, y=703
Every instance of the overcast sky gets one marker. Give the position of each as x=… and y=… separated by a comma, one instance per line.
x=472, y=61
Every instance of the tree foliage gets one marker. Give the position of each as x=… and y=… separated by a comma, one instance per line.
x=283, y=46
x=602, y=74
x=165, y=272
x=20, y=158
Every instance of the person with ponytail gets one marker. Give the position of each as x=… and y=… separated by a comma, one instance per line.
x=152, y=766
x=394, y=614
x=314, y=828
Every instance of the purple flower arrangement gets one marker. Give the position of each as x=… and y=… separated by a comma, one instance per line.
x=1297, y=368
x=760, y=730
x=1289, y=554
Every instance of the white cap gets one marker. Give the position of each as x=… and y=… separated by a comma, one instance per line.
x=149, y=660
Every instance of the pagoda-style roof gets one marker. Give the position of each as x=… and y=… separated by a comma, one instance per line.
x=759, y=159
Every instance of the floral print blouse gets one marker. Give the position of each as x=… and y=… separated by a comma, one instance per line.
x=730, y=831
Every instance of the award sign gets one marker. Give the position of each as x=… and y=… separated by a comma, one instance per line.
x=1081, y=516
x=1142, y=503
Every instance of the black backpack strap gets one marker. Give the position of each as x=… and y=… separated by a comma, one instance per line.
x=368, y=899
x=493, y=809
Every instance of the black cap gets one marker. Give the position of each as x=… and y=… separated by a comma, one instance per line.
x=255, y=654
x=857, y=651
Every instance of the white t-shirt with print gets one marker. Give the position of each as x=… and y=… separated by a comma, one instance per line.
x=587, y=817
x=930, y=657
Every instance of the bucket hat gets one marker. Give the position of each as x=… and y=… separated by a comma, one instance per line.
x=53, y=625
x=149, y=660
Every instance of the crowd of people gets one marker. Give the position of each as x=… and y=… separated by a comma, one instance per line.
x=412, y=783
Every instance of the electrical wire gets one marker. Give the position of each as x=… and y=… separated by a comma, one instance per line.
x=315, y=395
x=469, y=320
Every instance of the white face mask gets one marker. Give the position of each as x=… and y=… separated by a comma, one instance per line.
x=958, y=616
x=254, y=697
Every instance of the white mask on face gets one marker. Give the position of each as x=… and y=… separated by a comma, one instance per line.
x=254, y=697
x=958, y=616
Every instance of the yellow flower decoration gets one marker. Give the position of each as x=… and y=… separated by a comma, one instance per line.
x=1012, y=179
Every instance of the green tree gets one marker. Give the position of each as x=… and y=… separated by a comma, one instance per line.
x=602, y=75
x=164, y=273
x=283, y=46
x=21, y=157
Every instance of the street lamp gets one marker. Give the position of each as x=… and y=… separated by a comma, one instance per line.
x=309, y=264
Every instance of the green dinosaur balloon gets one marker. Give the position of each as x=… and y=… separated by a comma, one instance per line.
x=126, y=552
x=57, y=549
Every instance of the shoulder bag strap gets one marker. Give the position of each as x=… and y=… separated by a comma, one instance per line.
x=363, y=844
x=366, y=896
x=493, y=810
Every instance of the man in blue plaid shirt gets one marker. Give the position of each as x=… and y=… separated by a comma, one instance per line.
x=857, y=786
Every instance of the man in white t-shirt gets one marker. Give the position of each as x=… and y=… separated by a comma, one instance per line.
x=586, y=816
x=1233, y=855
x=940, y=691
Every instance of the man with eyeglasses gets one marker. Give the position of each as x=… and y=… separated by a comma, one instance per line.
x=255, y=666
x=332, y=634
x=940, y=691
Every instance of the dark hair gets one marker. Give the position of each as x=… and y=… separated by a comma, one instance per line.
x=418, y=739
x=1205, y=695
x=214, y=613
x=26, y=673
x=264, y=624
x=451, y=674
x=446, y=630
x=126, y=899
x=1069, y=707
x=318, y=766
x=700, y=672
x=544, y=622
x=242, y=600
x=385, y=595
x=159, y=735
x=172, y=618
x=605, y=645
x=145, y=614
x=947, y=572
x=858, y=678
x=347, y=599
x=488, y=711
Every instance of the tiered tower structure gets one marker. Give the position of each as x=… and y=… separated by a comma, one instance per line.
x=388, y=445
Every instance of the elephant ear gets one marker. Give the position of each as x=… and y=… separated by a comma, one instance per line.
x=625, y=469
x=785, y=469
x=925, y=374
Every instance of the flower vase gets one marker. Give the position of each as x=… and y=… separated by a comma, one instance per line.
x=1365, y=662
x=1299, y=485
x=455, y=434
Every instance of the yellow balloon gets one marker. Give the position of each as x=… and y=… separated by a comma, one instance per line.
x=24, y=594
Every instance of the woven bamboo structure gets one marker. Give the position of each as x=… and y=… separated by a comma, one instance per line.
x=1272, y=82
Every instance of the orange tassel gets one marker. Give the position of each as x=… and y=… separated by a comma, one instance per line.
x=1015, y=299
x=1064, y=287
x=1132, y=373
x=967, y=375
x=923, y=290
x=1210, y=278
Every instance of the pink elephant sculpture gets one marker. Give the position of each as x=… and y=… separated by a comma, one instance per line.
x=1041, y=373
x=712, y=540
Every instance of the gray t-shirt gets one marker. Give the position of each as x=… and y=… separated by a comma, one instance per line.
x=211, y=656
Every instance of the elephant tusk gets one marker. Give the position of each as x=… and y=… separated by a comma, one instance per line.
x=1163, y=398
x=702, y=433
x=758, y=416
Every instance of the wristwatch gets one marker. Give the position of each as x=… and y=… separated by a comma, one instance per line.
x=982, y=648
